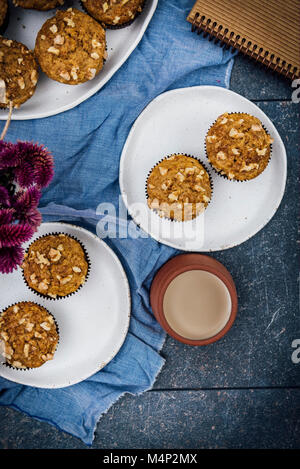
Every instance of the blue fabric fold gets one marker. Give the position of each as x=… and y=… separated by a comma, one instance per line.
x=87, y=142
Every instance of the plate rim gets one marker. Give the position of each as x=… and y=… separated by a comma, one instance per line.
x=132, y=130
x=125, y=333
x=96, y=88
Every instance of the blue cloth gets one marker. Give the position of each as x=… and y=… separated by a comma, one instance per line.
x=87, y=143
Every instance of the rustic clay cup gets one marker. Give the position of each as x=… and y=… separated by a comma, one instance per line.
x=176, y=266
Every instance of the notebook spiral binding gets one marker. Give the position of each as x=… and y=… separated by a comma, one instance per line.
x=204, y=25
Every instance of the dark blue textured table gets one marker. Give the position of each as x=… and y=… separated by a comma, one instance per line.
x=244, y=391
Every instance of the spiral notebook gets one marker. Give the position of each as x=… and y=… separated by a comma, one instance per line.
x=266, y=30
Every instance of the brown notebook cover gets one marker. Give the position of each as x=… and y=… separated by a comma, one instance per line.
x=266, y=30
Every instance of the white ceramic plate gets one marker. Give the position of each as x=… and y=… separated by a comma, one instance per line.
x=52, y=97
x=93, y=322
x=177, y=122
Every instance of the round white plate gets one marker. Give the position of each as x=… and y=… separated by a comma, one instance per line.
x=93, y=322
x=52, y=97
x=177, y=122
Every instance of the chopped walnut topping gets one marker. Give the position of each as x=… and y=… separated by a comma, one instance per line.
x=65, y=76
x=256, y=128
x=92, y=73
x=41, y=259
x=95, y=43
x=29, y=326
x=33, y=77
x=45, y=326
x=211, y=138
x=53, y=50
x=53, y=28
x=33, y=278
x=67, y=279
x=189, y=171
x=199, y=188
x=163, y=171
x=21, y=83
x=54, y=253
x=250, y=167
x=261, y=152
x=7, y=42
x=173, y=196
x=69, y=22
x=180, y=177
x=59, y=40
x=221, y=155
x=43, y=286
x=26, y=350
x=4, y=336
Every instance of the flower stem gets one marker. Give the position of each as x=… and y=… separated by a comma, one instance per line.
x=8, y=121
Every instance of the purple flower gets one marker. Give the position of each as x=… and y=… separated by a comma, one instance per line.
x=6, y=216
x=8, y=156
x=4, y=197
x=10, y=258
x=36, y=164
x=27, y=199
x=14, y=235
x=33, y=218
x=24, y=169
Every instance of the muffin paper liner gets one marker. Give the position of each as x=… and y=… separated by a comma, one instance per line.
x=2, y=359
x=69, y=294
x=219, y=172
x=4, y=25
x=210, y=180
x=117, y=26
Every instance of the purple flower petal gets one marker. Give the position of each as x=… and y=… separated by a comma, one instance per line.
x=36, y=164
x=8, y=155
x=27, y=199
x=6, y=216
x=10, y=258
x=14, y=235
x=4, y=197
x=33, y=218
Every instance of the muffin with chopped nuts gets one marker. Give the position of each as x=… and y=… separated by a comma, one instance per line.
x=28, y=335
x=55, y=266
x=238, y=147
x=114, y=14
x=41, y=5
x=179, y=188
x=70, y=47
x=3, y=15
x=18, y=73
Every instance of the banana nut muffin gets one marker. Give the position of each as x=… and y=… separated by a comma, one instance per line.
x=18, y=73
x=28, y=335
x=41, y=5
x=179, y=188
x=3, y=11
x=55, y=265
x=238, y=146
x=114, y=13
x=70, y=47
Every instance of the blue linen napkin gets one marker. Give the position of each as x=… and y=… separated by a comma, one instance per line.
x=87, y=143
